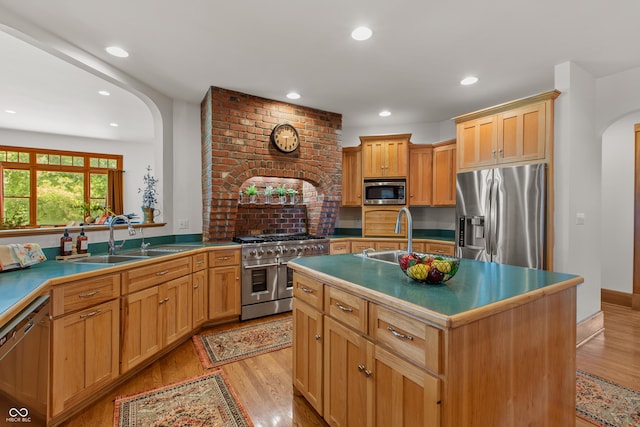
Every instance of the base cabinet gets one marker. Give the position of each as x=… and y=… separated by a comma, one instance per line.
x=307, y=353
x=85, y=356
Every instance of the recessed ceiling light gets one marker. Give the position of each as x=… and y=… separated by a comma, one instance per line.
x=361, y=33
x=293, y=95
x=384, y=113
x=113, y=125
x=10, y=111
x=104, y=93
x=117, y=51
x=468, y=80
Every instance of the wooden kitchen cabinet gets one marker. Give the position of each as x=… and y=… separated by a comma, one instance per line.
x=420, y=185
x=348, y=377
x=85, y=336
x=342, y=247
x=517, y=132
x=352, y=176
x=444, y=174
x=385, y=156
x=381, y=222
x=154, y=318
x=200, y=280
x=307, y=353
x=224, y=284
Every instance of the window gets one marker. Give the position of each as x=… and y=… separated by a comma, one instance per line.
x=42, y=187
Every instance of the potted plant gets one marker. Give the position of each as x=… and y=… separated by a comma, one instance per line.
x=282, y=193
x=86, y=210
x=292, y=195
x=252, y=192
x=149, y=199
x=268, y=193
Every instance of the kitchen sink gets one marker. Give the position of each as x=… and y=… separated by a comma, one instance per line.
x=391, y=257
x=108, y=259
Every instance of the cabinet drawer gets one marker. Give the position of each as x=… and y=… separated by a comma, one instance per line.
x=199, y=261
x=224, y=257
x=82, y=294
x=139, y=278
x=407, y=336
x=340, y=248
x=440, y=249
x=347, y=308
x=308, y=290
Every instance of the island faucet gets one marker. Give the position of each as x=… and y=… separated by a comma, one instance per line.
x=409, y=227
x=112, y=243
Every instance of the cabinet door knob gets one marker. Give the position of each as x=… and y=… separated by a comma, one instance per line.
x=317, y=337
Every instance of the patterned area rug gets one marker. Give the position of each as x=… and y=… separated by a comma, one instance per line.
x=237, y=344
x=606, y=404
x=207, y=400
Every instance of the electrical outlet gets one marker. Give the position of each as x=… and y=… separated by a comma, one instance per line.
x=183, y=224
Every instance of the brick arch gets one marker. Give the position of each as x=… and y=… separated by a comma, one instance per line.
x=236, y=147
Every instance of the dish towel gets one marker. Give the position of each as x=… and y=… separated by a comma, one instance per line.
x=27, y=254
x=7, y=260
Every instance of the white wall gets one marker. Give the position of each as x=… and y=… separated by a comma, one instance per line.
x=578, y=184
x=618, y=157
x=421, y=133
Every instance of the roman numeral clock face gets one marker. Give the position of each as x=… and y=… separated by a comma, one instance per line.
x=285, y=138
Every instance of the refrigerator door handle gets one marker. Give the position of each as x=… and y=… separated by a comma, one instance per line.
x=488, y=223
x=493, y=212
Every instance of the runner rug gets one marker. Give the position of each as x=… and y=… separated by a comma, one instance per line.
x=207, y=400
x=605, y=403
x=237, y=344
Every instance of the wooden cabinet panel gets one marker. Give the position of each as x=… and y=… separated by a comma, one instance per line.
x=199, y=297
x=199, y=261
x=347, y=308
x=440, y=249
x=444, y=175
x=389, y=246
x=81, y=294
x=352, y=176
x=420, y=175
x=137, y=278
x=224, y=257
x=224, y=292
x=141, y=326
x=348, y=376
x=176, y=314
x=85, y=355
x=407, y=336
x=308, y=290
x=404, y=394
x=307, y=352
x=336, y=248
x=385, y=155
x=521, y=134
x=381, y=221
x=358, y=246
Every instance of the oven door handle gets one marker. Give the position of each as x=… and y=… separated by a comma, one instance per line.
x=249, y=267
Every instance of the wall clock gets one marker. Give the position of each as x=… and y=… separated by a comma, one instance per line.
x=285, y=137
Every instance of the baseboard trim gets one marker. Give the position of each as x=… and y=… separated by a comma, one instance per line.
x=616, y=297
x=589, y=328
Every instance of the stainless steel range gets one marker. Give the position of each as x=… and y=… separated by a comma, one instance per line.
x=267, y=283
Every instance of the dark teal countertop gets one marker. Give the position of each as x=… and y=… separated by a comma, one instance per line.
x=476, y=284
x=17, y=285
x=431, y=234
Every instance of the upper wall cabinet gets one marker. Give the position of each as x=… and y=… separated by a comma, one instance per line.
x=420, y=174
x=513, y=133
x=385, y=156
x=352, y=176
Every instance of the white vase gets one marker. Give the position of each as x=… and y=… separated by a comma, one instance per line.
x=283, y=199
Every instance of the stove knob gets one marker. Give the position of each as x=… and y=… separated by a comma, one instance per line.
x=252, y=252
x=321, y=247
x=269, y=251
x=280, y=250
x=314, y=248
x=260, y=252
x=299, y=250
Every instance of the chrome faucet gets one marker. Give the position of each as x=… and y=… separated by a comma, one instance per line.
x=112, y=243
x=409, y=227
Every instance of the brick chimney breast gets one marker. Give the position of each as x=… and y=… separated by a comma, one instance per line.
x=236, y=147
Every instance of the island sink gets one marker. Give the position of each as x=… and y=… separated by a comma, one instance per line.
x=391, y=257
x=108, y=259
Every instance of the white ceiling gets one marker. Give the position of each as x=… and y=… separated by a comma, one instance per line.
x=412, y=65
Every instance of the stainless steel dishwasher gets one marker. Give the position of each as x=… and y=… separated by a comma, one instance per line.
x=24, y=366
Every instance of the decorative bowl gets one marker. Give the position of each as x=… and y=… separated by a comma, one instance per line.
x=429, y=268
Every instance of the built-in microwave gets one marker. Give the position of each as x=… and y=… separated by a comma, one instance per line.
x=384, y=192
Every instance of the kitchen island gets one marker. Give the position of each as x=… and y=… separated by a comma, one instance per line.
x=494, y=346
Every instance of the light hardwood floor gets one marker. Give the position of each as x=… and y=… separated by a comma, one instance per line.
x=263, y=383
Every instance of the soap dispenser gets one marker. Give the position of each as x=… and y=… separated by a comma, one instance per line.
x=82, y=244
x=66, y=244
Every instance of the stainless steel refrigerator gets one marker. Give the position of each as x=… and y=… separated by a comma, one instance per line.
x=500, y=215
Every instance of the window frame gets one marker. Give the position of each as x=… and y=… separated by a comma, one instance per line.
x=33, y=167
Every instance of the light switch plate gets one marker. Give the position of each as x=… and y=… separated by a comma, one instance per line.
x=580, y=216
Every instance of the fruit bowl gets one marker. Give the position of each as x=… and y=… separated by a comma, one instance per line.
x=429, y=268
